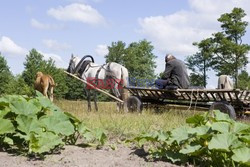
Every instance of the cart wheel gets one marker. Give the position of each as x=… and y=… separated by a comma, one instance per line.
x=225, y=108
x=134, y=104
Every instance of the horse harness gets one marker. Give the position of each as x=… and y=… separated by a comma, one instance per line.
x=108, y=73
x=82, y=65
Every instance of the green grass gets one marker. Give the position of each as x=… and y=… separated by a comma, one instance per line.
x=125, y=125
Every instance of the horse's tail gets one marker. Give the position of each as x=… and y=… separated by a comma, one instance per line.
x=52, y=82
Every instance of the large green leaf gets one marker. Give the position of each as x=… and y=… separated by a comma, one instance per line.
x=24, y=107
x=6, y=126
x=3, y=103
x=58, y=124
x=196, y=120
x=28, y=124
x=44, y=142
x=100, y=136
x=11, y=98
x=239, y=127
x=72, y=117
x=162, y=136
x=190, y=149
x=8, y=140
x=145, y=137
x=175, y=157
x=39, y=94
x=36, y=103
x=82, y=128
x=222, y=141
x=242, y=155
x=200, y=130
x=45, y=102
x=219, y=116
x=4, y=112
x=223, y=127
x=245, y=138
x=179, y=134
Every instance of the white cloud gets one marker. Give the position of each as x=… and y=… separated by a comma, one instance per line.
x=101, y=50
x=77, y=12
x=52, y=56
x=10, y=48
x=86, y=1
x=42, y=26
x=248, y=65
x=59, y=62
x=55, y=45
x=160, y=65
x=176, y=32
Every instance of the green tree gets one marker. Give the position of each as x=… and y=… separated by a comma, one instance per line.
x=75, y=89
x=244, y=80
x=228, y=47
x=196, y=79
x=33, y=63
x=116, y=52
x=201, y=62
x=19, y=87
x=137, y=58
x=60, y=79
x=5, y=75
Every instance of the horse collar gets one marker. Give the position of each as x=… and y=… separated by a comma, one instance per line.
x=81, y=66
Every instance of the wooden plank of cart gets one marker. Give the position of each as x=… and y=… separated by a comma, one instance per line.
x=235, y=102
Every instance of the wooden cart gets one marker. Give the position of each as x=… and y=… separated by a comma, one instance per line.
x=234, y=102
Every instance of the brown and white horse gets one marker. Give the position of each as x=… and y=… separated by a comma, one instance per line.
x=45, y=84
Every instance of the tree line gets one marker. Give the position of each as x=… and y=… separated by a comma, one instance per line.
x=137, y=57
x=224, y=53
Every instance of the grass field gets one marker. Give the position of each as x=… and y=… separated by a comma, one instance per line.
x=125, y=125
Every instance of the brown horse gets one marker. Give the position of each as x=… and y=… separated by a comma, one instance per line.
x=45, y=83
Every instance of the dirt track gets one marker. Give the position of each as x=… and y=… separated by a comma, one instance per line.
x=74, y=156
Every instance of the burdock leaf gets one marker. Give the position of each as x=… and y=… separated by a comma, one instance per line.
x=24, y=107
x=58, y=125
x=6, y=126
x=222, y=141
x=242, y=155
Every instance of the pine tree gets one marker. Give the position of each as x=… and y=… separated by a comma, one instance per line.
x=5, y=75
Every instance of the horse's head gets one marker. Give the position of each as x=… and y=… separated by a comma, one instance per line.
x=72, y=64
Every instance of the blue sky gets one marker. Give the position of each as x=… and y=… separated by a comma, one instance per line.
x=57, y=28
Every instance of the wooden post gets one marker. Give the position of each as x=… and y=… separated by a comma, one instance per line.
x=97, y=89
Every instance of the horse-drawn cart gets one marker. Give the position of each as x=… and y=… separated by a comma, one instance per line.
x=234, y=102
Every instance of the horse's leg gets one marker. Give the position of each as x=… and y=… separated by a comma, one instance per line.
x=45, y=91
x=117, y=94
x=51, y=93
x=95, y=100
x=88, y=98
x=124, y=94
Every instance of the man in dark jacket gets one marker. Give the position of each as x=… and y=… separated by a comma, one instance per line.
x=175, y=74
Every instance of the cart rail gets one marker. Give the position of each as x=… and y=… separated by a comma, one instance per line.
x=236, y=97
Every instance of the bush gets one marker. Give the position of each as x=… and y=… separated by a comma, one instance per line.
x=207, y=141
x=34, y=126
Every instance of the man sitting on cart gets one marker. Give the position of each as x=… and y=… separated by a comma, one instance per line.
x=175, y=74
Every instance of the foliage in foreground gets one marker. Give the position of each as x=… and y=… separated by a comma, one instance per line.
x=206, y=140
x=34, y=126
